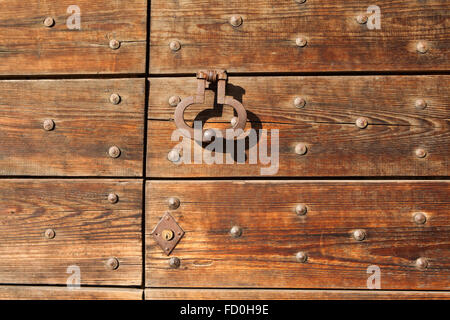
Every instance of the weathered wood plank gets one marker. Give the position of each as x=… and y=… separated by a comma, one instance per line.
x=266, y=40
x=267, y=294
x=86, y=123
x=265, y=255
x=326, y=124
x=89, y=230
x=64, y=293
x=27, y=46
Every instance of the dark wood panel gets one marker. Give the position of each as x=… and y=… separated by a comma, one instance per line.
x=326, y=124
x=86, y=126
x=63, y=293
x=88, y=231
x=27, y=46
x=267, y=294
x=272, y=234
x=266, y=40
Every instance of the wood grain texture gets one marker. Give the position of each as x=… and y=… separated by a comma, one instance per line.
x=264, y=256
x=63, y=293
x=86, y=126
x=89, y=230
x=336, y=146
x=266, y=41
x=267, y=294
x=29, y=47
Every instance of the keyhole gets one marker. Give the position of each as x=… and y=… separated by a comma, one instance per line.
x=167, y=235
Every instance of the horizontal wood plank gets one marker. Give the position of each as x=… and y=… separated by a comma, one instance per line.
x=28, y=47
x=326, y=124
x=272, y=233
x=64, y=293
x=88, y=231
x=267, y=294
x=266, y=39
x=86, y=126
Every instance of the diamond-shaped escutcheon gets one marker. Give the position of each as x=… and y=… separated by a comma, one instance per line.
x=167, y=233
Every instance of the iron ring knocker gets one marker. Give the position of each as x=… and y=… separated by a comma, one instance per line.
x=204, y=78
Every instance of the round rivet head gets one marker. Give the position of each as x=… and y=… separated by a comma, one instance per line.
x=49, y=233
x=112, y=263
x=175, y=45
x=361, y=19
x=362, y=122
x=359, y=235
x=174, y=155
x=236, y=232
x=114, y=152
x=420, y=153
x=174, y=203
x=301, y=257
x=114, y=44
x=422, y=263
x=421, y=104
x=299, y=102
x=49, y=22
x=236, y=20
x=301, y=41
x=174, y=262
x=48, y=125
x=301, y=149
x=422, y=47
x=420, y=218
x=174, y=101
x=208, y=134
x=301, y=209
x=114, y=98
x=300, y=1
x=113, y=198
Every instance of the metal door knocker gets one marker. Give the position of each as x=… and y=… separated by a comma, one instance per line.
x=203, y=80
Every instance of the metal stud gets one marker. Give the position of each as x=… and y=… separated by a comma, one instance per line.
x=115, y=98
x=236, y=20
x=114, y=44
x=422, y=47
x=359, y=235
x=301, y=149
x=301, y=257
x=420, y=153
x=361, y=19
x=174, y=101
x=362, y=122
x=299, y=102
x=301, y=209
x=113, y=198
x=174, y=203
x=300, y=1
x=236, y=231
x=174, y=262
x=422, y=263
x=48, y=125
x=421, y=104
x=175, y=45
x=114, y=152
x=167, y=234
x=112, y=263
x=49, y=22
x=49, y=233
x=174, y=155
x=301, y=41
x=208, y=135
x=420, y=218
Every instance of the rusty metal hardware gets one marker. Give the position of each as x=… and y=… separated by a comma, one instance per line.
x=114, y=152
x=204, y=78
x=167, y=233
x=50, y=233
x=49, y=22
x=112, y=263
x=420, y=153
x=301, y=257
x=114, y=44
